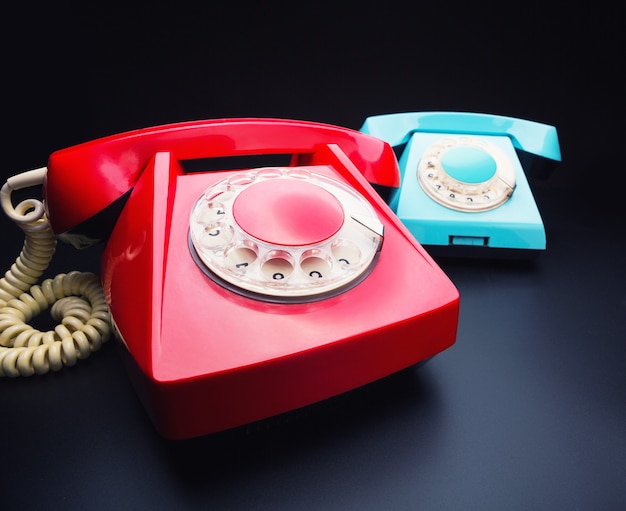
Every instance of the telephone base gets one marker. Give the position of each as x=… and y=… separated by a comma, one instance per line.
x=206, y=359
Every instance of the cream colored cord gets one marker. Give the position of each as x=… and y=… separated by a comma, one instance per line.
x=76, y=299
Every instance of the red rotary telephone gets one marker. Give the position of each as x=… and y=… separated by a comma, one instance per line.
x=242, y=293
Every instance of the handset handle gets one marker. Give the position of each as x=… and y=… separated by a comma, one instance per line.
x=528, y=136
x=88, y=177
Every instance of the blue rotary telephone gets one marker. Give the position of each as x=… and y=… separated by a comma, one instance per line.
x=464, y=190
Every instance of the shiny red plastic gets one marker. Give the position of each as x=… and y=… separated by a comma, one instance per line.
x=205, y=359
x=92, y=175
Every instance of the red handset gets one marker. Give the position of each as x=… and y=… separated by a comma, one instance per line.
x=84, y=179
x=241, y=294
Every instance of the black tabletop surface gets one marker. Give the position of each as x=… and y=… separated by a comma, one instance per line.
x=527, y=409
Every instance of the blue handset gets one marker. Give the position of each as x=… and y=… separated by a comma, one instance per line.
x=463, y=186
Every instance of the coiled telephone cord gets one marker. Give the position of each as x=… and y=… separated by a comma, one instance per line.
x=76, y=299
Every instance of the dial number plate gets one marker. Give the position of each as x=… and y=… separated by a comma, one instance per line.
x=284, y=234
x=466, y=174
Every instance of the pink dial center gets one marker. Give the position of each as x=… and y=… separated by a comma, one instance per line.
x=288, y=212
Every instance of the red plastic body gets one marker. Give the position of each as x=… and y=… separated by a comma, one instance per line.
x=205, y=359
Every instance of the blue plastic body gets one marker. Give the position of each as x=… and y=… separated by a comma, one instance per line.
x=516, y=224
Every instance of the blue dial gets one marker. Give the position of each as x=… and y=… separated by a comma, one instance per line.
x=466, y=174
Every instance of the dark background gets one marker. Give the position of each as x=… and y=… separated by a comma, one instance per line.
x=526, y=411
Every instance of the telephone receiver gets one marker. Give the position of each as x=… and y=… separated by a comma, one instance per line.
x=115, y=163
x=465, y=190
x=236, y=291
